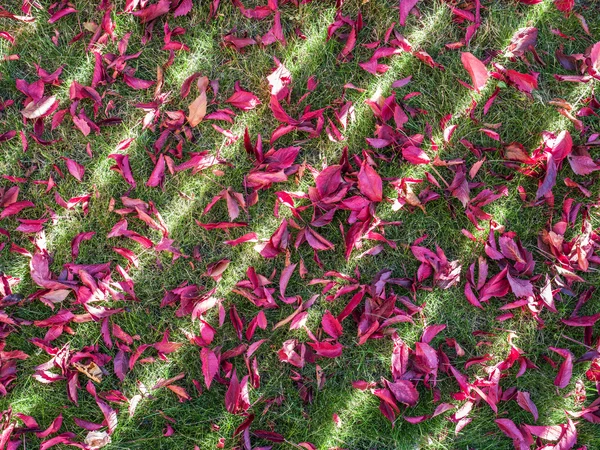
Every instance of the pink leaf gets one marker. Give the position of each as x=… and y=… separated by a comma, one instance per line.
x=53, y=428
x=64, y=438
x=123, y=167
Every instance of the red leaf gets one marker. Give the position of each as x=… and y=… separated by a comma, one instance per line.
x=404, y=391
x=165, y=346
x=582, y=165
x=497, y=286
x=110, y=415
x=64, y=438
x=426, y=358
x=561, y=146
x=471, y=296
x=327, y=349
x=523, y=41
x=215, y=270
x=75, y=169
x=248, y=237
x=285, y=278
x=524, y=82
x=549, y=180
x=289, y=354
x=123, y=167
x=269, y=436
x=157, y=177
x=60, y=14
x=521, y=288
x=184, y=7
x=415, y=155
x=53, y=428
x=236, y=321
x=476, y=69
x=564, y=5
x=524, y=401
x=187, y=84
x=569, y=437
x=350, y=44
x=430, y=332
x=548, y=432
x=331, y=326
x=329, y=180
x=137, y=83
x=316, y=241
x=236, y=397
x=15, y=208
x=369, y=183
x=221, y=225
x=244, y=100
x=566, y=368
x=387, y=398
x=6, y=35
x=153, y=11
x=583, y=321
x=405, y=7
x=7, y=136
x=121, y=364
x=210, y=365
x=243, y=426
x=509, y=428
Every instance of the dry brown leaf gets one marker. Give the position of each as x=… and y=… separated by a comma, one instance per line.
x=197, y=110
x=90, y=370
x=160, y=81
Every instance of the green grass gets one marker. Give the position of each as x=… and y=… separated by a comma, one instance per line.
x=362, y=425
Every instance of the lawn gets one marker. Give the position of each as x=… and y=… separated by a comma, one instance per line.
x=413, y=265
